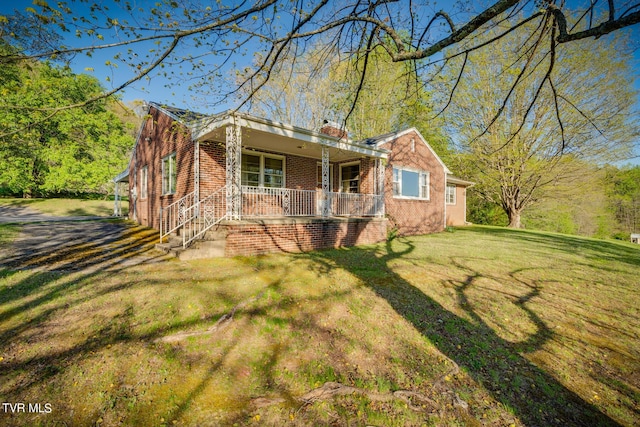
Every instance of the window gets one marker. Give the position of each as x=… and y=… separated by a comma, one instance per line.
x=261, y=170
x=144, y=174
x=410, y=183
x=319, y=176
x=396, y=182
x=350, y=178
x=250, y=170
x=169, y=174
x=450, y=194
x=273, y=172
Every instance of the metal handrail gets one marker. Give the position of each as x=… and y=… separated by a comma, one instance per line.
x=206, y=213
x=176, y=214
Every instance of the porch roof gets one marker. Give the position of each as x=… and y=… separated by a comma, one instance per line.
x=455, y=180
x=269, y=135
x=122, y=176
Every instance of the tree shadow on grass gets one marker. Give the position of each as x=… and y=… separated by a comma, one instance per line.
x=47, y=295
x=536, y=399
x=43, y=368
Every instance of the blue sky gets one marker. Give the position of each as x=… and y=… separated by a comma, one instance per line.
x=178, y=94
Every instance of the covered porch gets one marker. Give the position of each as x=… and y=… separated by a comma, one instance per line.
x=118, y=182
x=249, y=168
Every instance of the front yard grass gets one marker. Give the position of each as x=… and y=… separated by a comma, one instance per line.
x=482, y=326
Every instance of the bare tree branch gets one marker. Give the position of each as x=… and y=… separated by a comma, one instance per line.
x=512, y=89
x=363, y=76
x=406, y=30
x=453, y=89
x=597, y=31
x=557, y=110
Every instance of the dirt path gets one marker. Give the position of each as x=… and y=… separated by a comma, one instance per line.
x=70, y=245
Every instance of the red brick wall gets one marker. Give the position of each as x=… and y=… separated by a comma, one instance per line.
x=414, y=216
x=212, y=167
x=160, y=136
x=331, y=130
x=367, y=172
x=301, y=172
x=251, y=238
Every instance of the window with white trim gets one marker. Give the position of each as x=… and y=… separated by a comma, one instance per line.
x=450, y=194
x=144, y=176
x=350, y=178
x=262, y=170
x=410, y=183
x=169, y=174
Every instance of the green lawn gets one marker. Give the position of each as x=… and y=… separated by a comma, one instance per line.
x=67, y=207
x=482, y=326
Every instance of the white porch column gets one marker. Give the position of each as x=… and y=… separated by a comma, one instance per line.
x=380, y=189
x=116, y=200
x=233, y=166
x=196, y=170
x=326, y=207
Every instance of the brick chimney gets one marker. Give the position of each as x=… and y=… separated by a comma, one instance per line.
x=334, y=129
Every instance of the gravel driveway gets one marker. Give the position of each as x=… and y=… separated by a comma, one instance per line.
x=24, y=214
x=75, y=243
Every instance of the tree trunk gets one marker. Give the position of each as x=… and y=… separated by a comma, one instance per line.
x=514, y=218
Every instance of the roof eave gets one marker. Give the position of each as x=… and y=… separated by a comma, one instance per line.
x=202, y=128
x=396, y=135
x=455, y=180
x=121, y=176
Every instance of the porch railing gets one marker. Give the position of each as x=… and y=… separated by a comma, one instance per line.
x=268, y=201
x=356, y=204
x=205, y=214
x=176, y=214
x=196, y=217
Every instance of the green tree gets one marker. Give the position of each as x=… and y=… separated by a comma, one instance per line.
x=376, y=95
x=45, y=151
x=299, y=92
x=576, y=206
x=388, y=97
x=625, y=198
x=519, y=152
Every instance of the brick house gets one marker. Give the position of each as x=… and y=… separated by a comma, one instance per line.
x=253, y=185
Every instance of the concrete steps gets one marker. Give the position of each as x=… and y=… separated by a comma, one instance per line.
x=211, y=246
